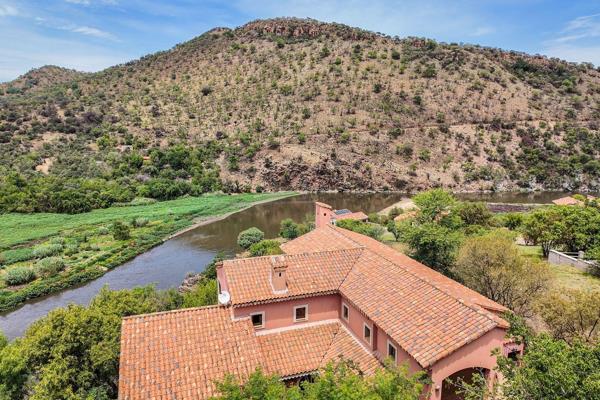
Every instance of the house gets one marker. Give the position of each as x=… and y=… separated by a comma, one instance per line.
x=571, y=201
x=325, y=214
x=333, y=293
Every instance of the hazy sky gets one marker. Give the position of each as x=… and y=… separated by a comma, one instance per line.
x=90, y=35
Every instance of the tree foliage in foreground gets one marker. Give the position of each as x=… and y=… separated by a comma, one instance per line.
x=73, y=352
x=337, y=381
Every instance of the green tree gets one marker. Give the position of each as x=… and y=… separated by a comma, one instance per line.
x=435, y=205
x=572, y=314
x=543, y=227
x=392, y=227
x=474, y=213
x=493, y=266
x=265, y=248
x=250, y=236
x=289, y=229
x=432, y=244
x=552, y=369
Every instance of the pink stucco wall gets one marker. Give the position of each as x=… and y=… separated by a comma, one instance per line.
x=475, y=354
x=355, y=323
x=323, y=214
x=281, y=314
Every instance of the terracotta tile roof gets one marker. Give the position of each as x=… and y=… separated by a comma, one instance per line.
x=567, y=201
x=359, y=215
x=427, y=313
x=346, y=346
x=301, y=350
x=426, y=322
x=298, y=350
x=249, y=279
x=179, y=354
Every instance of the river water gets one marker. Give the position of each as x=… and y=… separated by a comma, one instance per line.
x=167, y=264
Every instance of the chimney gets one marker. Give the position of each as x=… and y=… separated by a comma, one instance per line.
x=323, y=214
x=278, y=274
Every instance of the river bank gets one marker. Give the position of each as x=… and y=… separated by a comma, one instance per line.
x=47, y=253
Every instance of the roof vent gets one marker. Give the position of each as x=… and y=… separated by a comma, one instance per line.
x=224, y=298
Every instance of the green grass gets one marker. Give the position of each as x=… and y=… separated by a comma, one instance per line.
x=564, y=275
x=21, y=228
x=87, y=246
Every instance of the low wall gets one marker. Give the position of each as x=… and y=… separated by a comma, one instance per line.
x=558, y=258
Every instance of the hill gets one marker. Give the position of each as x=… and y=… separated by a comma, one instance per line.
x=300, y=104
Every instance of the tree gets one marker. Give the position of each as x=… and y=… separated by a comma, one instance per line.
x=289, y=229
x=435, y=205
x=73, y=352
x=474, y=213
x=572, y=314
x=393, y=229
x=552, y=369
x=250, y=236
x=543, y=227
x=493, y=266
x=336, y=381
x=120, y=230
x=432, y=244
x=265, y=248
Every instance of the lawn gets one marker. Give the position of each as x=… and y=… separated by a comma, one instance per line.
x=564, y=275
x=45, y=253
x=20, y=228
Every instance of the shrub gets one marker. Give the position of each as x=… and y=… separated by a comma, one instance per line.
x=19, y=276
x=265, y=248
x=120, y=231
x=49, y=266
x=289, y=229
x=47, y=250
x=103, y=230
x=140, y=222
x=250, y=236
x=16, y=255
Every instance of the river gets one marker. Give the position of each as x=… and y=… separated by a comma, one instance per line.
x=167, y=264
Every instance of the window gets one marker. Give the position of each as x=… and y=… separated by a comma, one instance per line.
x=367, y=333
x=391, y=351
x=301, y=313
x=345, y=312
x=258, y=320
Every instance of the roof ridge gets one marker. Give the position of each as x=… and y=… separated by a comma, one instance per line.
x=294, y=254
x=175, y=311
x=478, y=309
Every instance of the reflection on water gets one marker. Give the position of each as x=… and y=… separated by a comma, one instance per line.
x=166, y=265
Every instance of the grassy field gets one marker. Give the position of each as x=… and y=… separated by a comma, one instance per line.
x=43, y=253
x=564, y=275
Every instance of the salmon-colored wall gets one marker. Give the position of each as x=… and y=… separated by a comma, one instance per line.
x=281, y=314
x=356, y=321
x=322, y=215
x=476, y=354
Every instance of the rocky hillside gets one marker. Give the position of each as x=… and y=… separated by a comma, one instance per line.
x=300, y=104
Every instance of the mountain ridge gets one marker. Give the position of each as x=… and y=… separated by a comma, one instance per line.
x=300, y=104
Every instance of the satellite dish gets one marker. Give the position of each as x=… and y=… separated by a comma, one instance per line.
x=224, y=298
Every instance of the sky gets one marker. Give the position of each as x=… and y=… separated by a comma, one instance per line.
x=90, y=35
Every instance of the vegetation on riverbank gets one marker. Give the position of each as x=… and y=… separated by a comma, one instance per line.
x=45, y=253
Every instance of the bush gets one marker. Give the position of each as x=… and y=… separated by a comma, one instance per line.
x=289, y=229
x=372, y=230
x=265, y=248
x=103, y=230
x=47, y=250
x=49, y=266
x=249, y=237
x=16, y=255
x=139, y=222
x=474, y=213
x=19, y=276
x=120, y=231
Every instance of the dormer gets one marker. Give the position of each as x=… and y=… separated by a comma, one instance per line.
x=278, y=274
